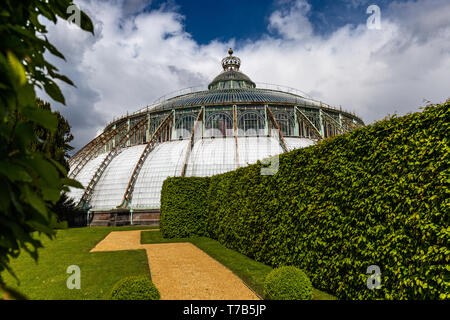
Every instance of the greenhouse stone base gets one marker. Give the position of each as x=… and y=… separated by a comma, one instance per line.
x=113, y=218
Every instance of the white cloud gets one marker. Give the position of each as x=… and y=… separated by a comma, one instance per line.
x=134, y=59
x=291, y=20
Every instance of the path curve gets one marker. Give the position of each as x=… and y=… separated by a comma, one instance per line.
x=181, y=271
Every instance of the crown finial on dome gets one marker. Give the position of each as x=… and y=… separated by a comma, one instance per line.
x=231, y=62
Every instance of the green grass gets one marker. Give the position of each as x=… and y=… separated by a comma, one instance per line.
x=251, y=272
x=99, y=271
x=46, y=279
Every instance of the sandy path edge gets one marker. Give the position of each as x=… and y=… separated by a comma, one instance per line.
x=182, y=271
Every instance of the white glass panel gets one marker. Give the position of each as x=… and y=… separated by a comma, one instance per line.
x=298, y=143
x=85, y=176
x=108, y=192
x=208, y=157
x=166, y=160
x=252, y=149
x=212, y=156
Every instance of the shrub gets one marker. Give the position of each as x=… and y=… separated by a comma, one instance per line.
x=287, y=283
x=135, y=288
x=375, y=196
x=183, y=207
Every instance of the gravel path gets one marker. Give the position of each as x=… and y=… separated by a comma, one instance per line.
x=181, y=271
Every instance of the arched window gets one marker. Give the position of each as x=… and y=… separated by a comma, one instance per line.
x=251, y=124
x=285, y=123
x=219, y=124
x=184, y=126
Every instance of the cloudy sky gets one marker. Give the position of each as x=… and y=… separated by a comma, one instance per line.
x=144, y=49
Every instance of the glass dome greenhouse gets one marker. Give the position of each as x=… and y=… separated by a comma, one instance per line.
x=197, y=133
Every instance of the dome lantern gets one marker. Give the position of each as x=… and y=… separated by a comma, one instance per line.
x=231, y=62
x=231, y=77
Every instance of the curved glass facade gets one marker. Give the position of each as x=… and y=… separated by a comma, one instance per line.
x=208, y=157
x=198, y=134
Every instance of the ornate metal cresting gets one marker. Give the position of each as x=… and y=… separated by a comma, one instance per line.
x=162, y=133
x=85, y=150
x=78, y=155
x=333, y=124
x=349, y=124
x=118, y=148
x=95, y=148
x=308, y=123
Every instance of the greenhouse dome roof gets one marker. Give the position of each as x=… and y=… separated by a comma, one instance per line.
x=230, y=96
x=196, y=133
x=232, y=86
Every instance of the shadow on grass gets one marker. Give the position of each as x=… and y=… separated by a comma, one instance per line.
x=253, y=273
x=46, y=279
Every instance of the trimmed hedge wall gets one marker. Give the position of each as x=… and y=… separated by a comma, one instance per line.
x=183, y=207
x=376, y=196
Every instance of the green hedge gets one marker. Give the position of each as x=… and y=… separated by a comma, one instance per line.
x=376, y=196
x=287, y=283
x=183, y=204
x=135, y=288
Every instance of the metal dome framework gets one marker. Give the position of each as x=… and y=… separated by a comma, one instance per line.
x=123, y=168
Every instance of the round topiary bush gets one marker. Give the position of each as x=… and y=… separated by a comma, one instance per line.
x=135, y=288
x=287, y=283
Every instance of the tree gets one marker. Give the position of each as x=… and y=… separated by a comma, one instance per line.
x=68, y=211
x=31, y=181
x=54, y=145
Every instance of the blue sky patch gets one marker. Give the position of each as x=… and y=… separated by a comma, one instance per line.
x=208, y=20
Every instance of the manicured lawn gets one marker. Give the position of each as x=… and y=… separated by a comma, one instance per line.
x=251, y=272
x=99, y=271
